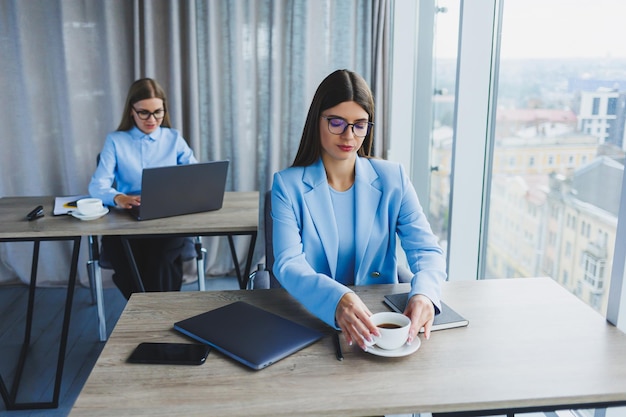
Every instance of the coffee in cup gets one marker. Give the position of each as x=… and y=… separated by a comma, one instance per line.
x=89, y=206
x=389, y=326
x=393, y=329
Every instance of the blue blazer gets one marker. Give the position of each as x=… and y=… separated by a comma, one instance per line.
x=305, y=236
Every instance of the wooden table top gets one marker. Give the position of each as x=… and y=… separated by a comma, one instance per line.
x=240, y=213
x=529, y=343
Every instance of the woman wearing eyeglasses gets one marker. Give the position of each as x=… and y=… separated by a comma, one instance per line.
x=143, y=139
x=336, y=213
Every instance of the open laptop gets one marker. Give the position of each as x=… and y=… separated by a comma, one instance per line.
x=181, y=189
x=248, y=334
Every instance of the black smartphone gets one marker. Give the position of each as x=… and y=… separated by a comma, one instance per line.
x=170, y=353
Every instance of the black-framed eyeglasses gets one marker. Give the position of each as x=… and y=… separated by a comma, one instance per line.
x=145, y=114
x=337, y=126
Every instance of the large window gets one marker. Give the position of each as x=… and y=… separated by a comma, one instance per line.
x=553, y=146
x=548, y=81
x=527, y=143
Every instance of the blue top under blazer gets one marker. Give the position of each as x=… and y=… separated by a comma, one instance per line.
x=305, y=237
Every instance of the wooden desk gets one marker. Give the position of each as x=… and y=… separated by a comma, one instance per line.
x=238, y=216
x=240, y=213
x=530, y=345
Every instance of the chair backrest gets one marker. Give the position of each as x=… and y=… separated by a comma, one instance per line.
x=269, y=234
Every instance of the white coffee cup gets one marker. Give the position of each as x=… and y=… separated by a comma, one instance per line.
x=393, y=329
x=89, y=206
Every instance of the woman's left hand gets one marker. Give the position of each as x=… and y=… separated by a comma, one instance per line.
x=421, y=311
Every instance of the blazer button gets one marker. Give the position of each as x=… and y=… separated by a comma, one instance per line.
x=375, y=274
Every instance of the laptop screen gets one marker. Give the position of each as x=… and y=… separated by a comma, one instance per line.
x=181, y=189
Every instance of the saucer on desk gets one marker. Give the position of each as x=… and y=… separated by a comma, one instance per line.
x=94, y=216
x=396, y=353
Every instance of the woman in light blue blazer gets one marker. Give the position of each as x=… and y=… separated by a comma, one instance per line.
x=336, y=213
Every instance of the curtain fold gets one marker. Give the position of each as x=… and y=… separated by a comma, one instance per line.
x=239, y=75
x=379, y=78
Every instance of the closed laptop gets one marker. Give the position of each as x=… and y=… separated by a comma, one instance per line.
x=181, y=189
x=251, y=335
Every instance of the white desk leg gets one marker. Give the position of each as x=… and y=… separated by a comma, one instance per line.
x=102, y=324
x=200, y=266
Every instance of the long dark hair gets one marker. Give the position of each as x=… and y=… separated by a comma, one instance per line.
x=340, y=86
x=141, y=90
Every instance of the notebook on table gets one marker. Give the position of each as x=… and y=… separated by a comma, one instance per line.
x=446, y=319
x=181, y=189
x=248, y=334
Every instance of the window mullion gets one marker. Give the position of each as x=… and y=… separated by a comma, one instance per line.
x=474, y=97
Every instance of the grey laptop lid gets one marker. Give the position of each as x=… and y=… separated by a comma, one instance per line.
x=249, y=334
x=181, y=189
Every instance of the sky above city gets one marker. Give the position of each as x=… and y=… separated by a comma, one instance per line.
x=548, y=29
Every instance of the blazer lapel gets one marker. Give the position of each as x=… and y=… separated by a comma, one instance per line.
x=367, y=201
x=322, y=214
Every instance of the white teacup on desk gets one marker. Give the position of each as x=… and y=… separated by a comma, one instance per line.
x=89, y=206
x=393, y=328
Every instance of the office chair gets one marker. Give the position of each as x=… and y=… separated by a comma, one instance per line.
x=193, y=249
x=264, y=278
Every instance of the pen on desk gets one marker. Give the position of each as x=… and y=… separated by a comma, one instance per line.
x=338, y=352
x=36, y=213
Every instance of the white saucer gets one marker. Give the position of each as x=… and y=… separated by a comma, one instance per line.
x=396, y=353
x=95, y=216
